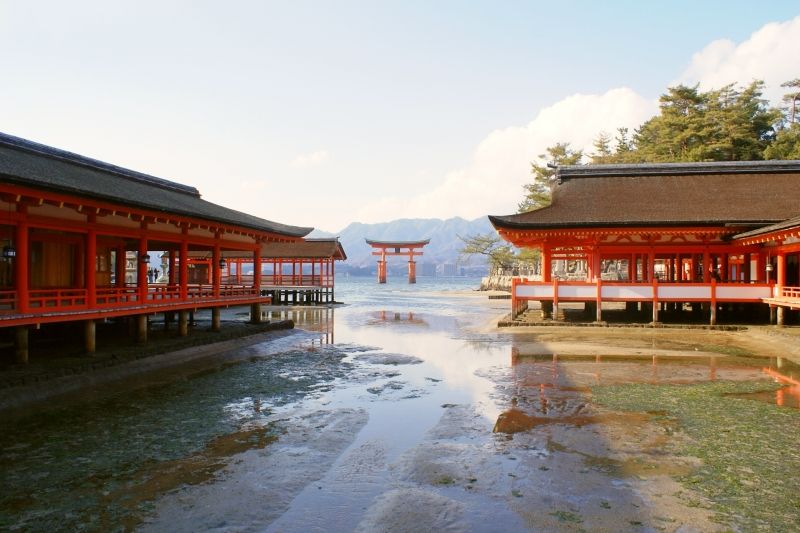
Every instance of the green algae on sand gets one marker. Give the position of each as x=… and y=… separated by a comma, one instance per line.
x=748, y=448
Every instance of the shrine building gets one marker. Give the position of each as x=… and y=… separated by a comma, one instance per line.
x=665, y=237
x=68, y=222
x=296, y=273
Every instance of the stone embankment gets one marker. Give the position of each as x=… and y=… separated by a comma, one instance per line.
x=496, y=283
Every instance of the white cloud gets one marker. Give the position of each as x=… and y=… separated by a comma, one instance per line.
x=771, y=54
x=311, y=159
x=492, y=182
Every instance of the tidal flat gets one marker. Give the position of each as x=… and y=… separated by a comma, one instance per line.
x=407, y=410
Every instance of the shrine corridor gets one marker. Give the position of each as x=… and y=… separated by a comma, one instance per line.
x=406, y=410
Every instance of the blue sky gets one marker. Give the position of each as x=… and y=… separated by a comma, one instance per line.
x=323, y=113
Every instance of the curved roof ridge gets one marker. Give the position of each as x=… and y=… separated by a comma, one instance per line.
x=398, y=244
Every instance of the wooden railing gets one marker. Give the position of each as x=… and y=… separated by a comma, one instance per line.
x=607, y=291
x=8, y=301
x=285, y=280
x=57, y=299
x=791, y=292
x=109, y=298
x=115, y=296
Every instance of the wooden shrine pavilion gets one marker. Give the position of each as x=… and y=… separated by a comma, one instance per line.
x=68, y=222
x=658, y=236
x=299, y=272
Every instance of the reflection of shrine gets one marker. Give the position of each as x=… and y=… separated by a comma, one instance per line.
x=789, y=395
x=555, y=388
x=315, y=319
x=390, y=316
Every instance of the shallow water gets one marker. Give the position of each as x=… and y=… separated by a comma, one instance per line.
x=394, y=412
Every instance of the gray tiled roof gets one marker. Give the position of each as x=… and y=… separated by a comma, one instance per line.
x=745, y=193
x=306, y=249
x=36, y=165
x=786, y=224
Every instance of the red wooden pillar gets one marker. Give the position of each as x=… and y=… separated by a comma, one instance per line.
x=90, y=264
x=547, y=266
x=631, y=259
x=382, y=267
x=257, y=269
x=21, y=262
x=706, y=266
x=216, y=277
x=780, y=279
x=651, y=266
x=412, y=271
x=141, y=268
x=746, y=267
x=183, y=278
x=120, y=266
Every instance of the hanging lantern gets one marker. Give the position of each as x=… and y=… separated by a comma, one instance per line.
x=145, y=259
x=9, y=252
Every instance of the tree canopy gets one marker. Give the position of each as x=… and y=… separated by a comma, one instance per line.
x=728, y=124
x=538, y=192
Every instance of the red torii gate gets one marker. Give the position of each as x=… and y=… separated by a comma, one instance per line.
x=408, y=248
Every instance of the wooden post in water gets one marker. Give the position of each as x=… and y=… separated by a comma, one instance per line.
x=183, y=323
x=141, y=328
x=21, y=335
x=215, y=318
x=89, y=335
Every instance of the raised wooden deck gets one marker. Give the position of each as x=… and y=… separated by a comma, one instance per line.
x=63, y=305
x=600, y=291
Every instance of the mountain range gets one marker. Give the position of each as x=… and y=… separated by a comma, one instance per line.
x=443, y=234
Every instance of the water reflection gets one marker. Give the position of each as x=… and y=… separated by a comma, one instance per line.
x=393, y=317
x=317, y=319
x=553, y=375
x=786, y=396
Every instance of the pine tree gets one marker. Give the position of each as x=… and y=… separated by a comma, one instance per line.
x=787, y=140
x=602, y=149
x=539, y=191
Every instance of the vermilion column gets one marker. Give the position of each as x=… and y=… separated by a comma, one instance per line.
x=21, y=267
x=781, y=274
x=547, y=266
x=183, y=278
x=141, y=269
x=120, y=266
x=216, y=271
x=257, y=269
x=382, y=267
x=91, y=268
x=412, y=271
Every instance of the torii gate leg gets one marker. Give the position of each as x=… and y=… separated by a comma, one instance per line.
x=412, y=271
x=382, y=268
